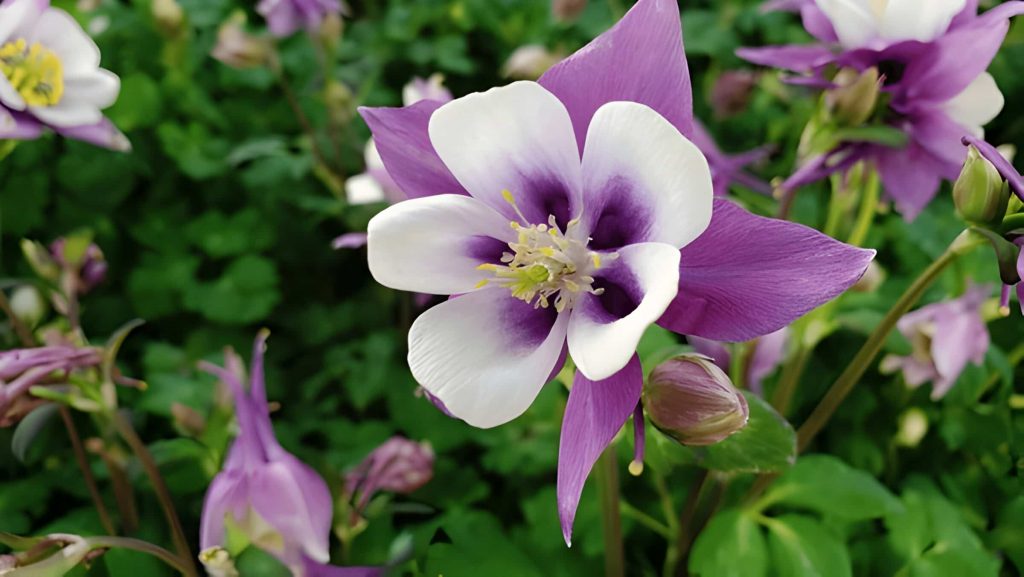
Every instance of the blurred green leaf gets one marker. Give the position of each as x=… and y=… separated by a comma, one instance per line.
x=731, y=545
x=803, y=547
x=825, y=484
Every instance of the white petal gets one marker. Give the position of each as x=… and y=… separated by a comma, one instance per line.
x=10, y=97
x=59, y=32
x=435, y=244
x=923, y=20
x=517, y=138
x=363, y=189
x=371, y=156
x=637, y=166
x=977, y=105
x=19, y=15
x=68, y=112
x=486, y=355
x=601, y=341
x=853, y=20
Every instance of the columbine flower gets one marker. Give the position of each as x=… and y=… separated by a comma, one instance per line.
x=571, y=199
x=932, y=58
x=237, y=48
x=945, y=337
x=21, y=369
x=398, y=466
x=766, y=355
x=284, y=17
x=50, y=77
x=728, y=169
x=279, y=502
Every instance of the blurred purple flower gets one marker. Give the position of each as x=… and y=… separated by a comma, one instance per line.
x=90, y=271
x=728, y=169
x=511, y=157
x=767, y=354
x=279, y=502
x=945, y=337
x=398, y=466
x=284, y=17
x=932, y=56
x=21, y=369
x=50, y=77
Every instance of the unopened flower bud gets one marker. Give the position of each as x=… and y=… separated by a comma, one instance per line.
x=854, y=101
x=567, y=10
x=28, y=305
x=330, y=31
x=398, y=466
x=169, y=17
x=38, y=257
x=873, y=278
x=980, y=193
x=340, y=102
x=693, y=401
x=237, y=48
x=529, y=62
x=85, y=258
x=912, y=428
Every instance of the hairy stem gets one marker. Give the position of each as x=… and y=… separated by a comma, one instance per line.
x=127, y=432
x=608, y=487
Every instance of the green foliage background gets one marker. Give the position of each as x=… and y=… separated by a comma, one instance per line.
x=217, y=225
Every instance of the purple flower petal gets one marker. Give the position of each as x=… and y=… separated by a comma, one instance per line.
x=486, y=355
x=296, y=502
x=103, y=134
x=227, y=494
x=640, y=59
x=911, y=176
x=404, y=146
x=714, y=350
x=768, y=353
x=797, y=58
x=748, y=276
x=314, y=569
x=593, y=416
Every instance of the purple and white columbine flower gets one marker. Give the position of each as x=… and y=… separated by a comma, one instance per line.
x=284, y=17
x=280, y=503
x=945, y=337
x=50, y=77
x=554, y=213
x=932, y=55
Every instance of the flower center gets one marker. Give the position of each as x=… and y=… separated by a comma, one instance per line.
x=545, y=265
x=34, y=71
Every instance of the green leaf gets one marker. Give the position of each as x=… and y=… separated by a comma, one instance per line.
x=245, y=293
x=731, y=545
x=829, y=486
x=479, y=547
x=766, y=444
x=803, y=547
x=138, y=105
x=29, y=428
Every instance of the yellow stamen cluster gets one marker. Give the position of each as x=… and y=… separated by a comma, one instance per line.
x=545, y=266
x=35, y=72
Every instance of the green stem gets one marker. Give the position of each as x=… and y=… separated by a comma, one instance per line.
x=868, y=209
x=83, y=466
x=645, y=520
x=865, y=357
x=608, y=487
x=127, y=432
x=687, y=518
x=143, y=547
x=790, y=378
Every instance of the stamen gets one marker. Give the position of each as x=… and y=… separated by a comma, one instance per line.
x=1004, y=301
x=35, y=72
x=636, y=467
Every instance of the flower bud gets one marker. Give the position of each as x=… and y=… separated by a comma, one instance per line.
x=169, y=17
x=28, y=305
x=567, y=10
x=980, y=193
x=79, y=255
x=529, y=62
x=398, y=466
x=693, y=401
x=237, y=48
x=873, y=278
x=854, y=101
x=38, y=257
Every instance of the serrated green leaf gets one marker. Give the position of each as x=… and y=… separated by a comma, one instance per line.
x=826, y=485
x=803, y=547
x=731, y=545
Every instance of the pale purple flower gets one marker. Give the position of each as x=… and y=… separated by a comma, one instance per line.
x=237, y=48
x=765, y=357
x=397, y=466
x=284, y=17
x=578, y=192
x=21, y=369
x=50, y=77
x=729, y=169
x=944, y=337
x=281, y=503
x=933, y=56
